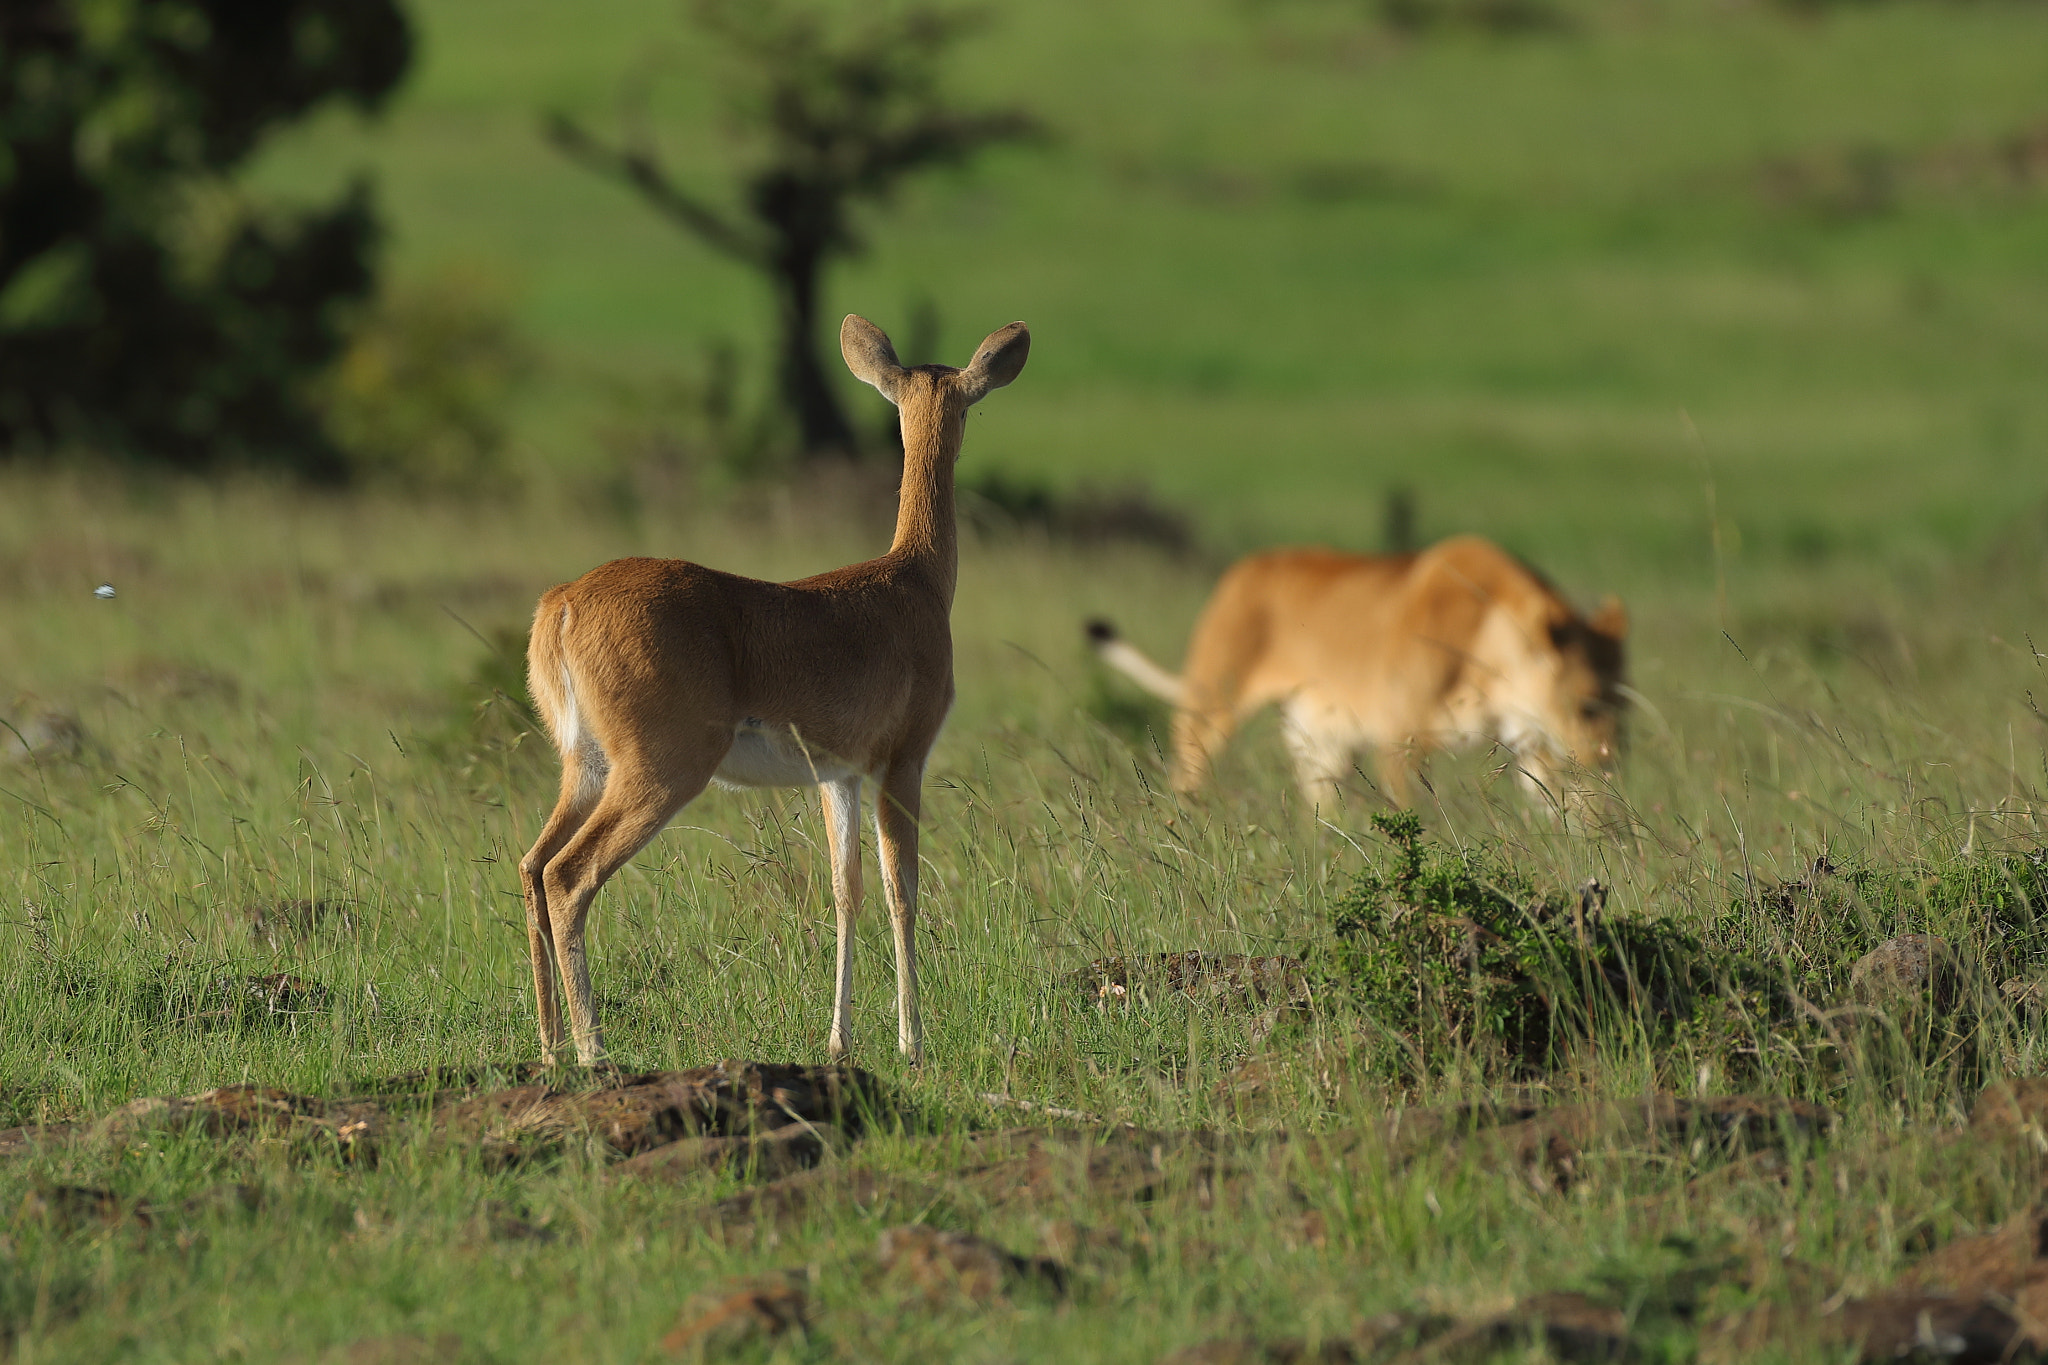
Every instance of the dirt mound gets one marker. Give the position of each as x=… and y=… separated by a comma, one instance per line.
x=1570, y=1327
x=2013, y=1109
x=1548, y=1148
x=763, y=1211
x=765, y=1117
x=644, y=1112
x=1041, y=1165
x=1897, y=1326
x=2009, y=1260
x=350, y=1126
x=71, y=1207
x=1251, y=1351
x=1907, y=973
x=31, y=1137
x=1098, y=1195
x=780, y=1152
x=941, y=1264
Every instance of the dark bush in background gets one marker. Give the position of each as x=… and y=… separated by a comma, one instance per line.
x=144, y=309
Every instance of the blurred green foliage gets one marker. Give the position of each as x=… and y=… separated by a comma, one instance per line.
x=145, y=309
x=420, y=396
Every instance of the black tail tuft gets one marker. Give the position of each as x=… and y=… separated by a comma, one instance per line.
x=1100, y=631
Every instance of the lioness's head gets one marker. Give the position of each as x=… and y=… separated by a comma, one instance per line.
x=1589, y=698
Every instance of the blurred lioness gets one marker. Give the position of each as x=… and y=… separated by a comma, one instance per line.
x=1402, y=654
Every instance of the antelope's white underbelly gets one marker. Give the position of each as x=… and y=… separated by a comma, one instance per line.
x=765, y=754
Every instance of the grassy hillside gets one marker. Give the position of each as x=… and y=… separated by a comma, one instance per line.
x=1278, y=261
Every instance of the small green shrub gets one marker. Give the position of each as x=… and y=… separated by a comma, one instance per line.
x=488, y=723
x=1458, y=955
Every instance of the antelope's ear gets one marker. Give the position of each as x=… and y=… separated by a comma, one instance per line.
x=1611, y=619
x=1000, y=360
x=870, y=356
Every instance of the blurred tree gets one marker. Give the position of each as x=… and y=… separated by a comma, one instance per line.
x=143, y=307
x=838, y=111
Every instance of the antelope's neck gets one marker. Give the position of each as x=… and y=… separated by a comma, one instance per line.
x=926, y=535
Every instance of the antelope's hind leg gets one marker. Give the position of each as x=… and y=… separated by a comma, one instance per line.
x=572, y=808
x=636, y=803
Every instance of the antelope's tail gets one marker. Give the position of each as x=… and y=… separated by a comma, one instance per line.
x=548, y=677
x=1125, y=657
x=551, y=677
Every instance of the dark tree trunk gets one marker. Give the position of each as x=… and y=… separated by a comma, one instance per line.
x=821, y=424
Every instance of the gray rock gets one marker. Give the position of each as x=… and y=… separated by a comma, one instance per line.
x=1906, y=973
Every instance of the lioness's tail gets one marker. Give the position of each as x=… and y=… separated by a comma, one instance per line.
x=1123, y=656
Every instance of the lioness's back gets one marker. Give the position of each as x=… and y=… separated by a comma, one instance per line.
x=1355, y=627
x=1283, y=616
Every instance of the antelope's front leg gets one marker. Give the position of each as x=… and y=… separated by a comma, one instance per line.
x=842, y=838
x=896, y=830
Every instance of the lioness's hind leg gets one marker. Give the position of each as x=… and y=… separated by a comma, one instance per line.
x=1322, y=759
x=1198, y=734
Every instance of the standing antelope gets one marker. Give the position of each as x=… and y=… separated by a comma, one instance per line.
x=657, y=676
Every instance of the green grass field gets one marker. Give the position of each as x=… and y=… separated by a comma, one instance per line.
x=1617, y=298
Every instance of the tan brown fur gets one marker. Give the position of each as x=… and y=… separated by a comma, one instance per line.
x=1400, y=654
x=657, y=676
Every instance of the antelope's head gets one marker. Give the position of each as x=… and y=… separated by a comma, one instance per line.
x=932, y=399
